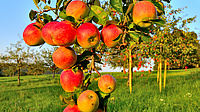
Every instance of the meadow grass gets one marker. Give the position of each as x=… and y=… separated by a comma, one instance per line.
x=41, y=94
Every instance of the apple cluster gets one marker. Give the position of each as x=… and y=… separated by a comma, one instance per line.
x=85, y=34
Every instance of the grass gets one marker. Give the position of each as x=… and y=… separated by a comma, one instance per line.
x=41, y=94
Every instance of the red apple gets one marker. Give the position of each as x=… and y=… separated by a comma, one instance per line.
x=109, y=33
x=88, y=101
x=107, y=83
x=64, y=57
x=77, y=9
x=69, y=79
x=143, y=11
x=71, y=108
x=32, y=35
x=47, y=33
x=88, y=35
x=64, y=34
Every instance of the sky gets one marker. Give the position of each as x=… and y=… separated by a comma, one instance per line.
x=15, y=17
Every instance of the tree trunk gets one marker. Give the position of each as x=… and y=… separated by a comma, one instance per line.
x=19, y=77
x=53, y=74
x=158, y=72
x=124, y=71
x=130, y=71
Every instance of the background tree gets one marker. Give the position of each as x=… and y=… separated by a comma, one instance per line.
x=15, y=57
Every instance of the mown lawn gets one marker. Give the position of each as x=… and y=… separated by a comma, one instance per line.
x=41, y=94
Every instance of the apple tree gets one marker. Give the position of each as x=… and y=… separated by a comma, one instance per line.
x=15, y=58
x=169, y=43
x=86, y=25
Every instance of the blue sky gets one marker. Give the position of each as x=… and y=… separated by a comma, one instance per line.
x=15, y=17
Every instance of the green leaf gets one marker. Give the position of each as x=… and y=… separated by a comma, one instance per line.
x=47, y=18
x=32, y=15
x=158, y=7
x=134, y=36
x=66, y=100
x=70, y=18
x=100, y=14
x=62, y=14
x=87, y=78
x=84, y=56
x=131, y=25
x=130, y=7
x=145, y=38
x=159, y=22
x=117, y=5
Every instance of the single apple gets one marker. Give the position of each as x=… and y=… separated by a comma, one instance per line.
x=70, y=80
x=109, y=33
x=88, y=101
x=71, y=108
x=107, y=83
x=64, y=34
x=32, y=34
x=47, y=32
x=88, y=35
x=143, y=11
x=64, y=57
x=77, y=9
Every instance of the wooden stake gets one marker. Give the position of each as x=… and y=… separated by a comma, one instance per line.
x=158, y=72
x=130, y=71
x=160, y=77
x=165, y=73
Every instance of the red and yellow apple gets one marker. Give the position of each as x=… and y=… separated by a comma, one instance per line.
x=143, y=11
x=88, y=101
x=77, y=9
x=47, y=32
x=64, y=34
x=70, y=80
x=32, y=35
x=109, y=33
x=107, y=83
x=88, y=35
x=64, y=57
x=71, y=108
